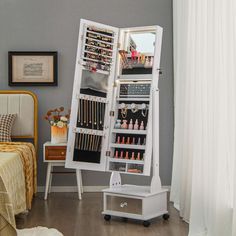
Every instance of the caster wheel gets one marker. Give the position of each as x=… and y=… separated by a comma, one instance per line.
x=107, y=217
x=166, y=216
x=146, y=223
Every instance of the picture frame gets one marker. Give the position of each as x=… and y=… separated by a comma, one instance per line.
x=32, y=68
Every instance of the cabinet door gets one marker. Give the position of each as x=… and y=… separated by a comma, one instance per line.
x=92, y=96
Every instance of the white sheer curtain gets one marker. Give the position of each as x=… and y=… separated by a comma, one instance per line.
x=204, y=164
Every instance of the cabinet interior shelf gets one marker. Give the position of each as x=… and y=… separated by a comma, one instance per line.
x=128, y=146
x=125, y=161
x=129, y=131
x=133, y=99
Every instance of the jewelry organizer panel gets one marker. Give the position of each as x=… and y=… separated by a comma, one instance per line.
x=129, y=134
x=94, y=75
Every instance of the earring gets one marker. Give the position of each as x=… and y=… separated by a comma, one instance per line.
x=123, y=108
x=134, y=107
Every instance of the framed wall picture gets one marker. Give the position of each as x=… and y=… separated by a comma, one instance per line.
x=32, y=68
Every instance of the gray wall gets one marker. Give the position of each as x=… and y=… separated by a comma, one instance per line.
x=53, y=25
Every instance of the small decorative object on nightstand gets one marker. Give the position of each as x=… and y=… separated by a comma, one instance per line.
x=54, y=155
x=58, y=123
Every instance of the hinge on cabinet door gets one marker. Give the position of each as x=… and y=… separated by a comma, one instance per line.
x=108, y=153
x=112, y=113
x=118, y=45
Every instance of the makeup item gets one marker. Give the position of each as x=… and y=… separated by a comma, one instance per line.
x=139, y=141
x=128, y=140
x=118, y=139
x=123, y=140
x=132, y=157
x=141, y=126
x=142, y=58
x=118, y=124
x=144, y=141
x=138, y=156
x=124, y=125
x=133, y=141
x=134, y=107
x=127, y=155
x=136, y=126
x=144, y=109
x=131, y=126
x=124, y=109
x=121, y=155
x=116, y=154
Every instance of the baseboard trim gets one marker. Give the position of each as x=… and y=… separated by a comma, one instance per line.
x=73, y=189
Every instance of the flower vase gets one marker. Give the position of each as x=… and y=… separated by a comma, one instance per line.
x=58, y=135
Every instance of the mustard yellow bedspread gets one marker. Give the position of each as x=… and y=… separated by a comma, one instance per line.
x=18, y=181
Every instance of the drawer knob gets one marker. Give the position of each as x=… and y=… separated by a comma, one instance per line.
x=123, y=204
x=62, y=153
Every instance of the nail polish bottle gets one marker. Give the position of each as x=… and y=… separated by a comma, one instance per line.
x=123, y=140
x=121, y=155
x=144, y=141
x=116, y=155
x=139, y=142
x=133, y=141
x=124, y=125
x=131, y=126
x=128, y=140
x=136, y=124
x=127, y=155
x=141, y=126
x=118, y=139
x=132, y=157
x=138, y=156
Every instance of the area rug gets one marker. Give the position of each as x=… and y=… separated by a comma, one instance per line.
x=38, y=231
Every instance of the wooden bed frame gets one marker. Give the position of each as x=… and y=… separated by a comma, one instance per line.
x=34, y=137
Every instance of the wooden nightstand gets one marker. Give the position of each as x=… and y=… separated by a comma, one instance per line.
x=55, y=155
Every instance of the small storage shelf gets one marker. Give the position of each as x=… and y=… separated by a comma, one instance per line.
x=134, y=99
x=129, y=131
x=128, y=146
x=125, y=161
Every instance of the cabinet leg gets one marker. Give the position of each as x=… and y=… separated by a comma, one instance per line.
x=47, y=180
x=78, y=183
x=81, y=181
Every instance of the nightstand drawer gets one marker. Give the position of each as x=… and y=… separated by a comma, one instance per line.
x=124, y=204
x=55, y=152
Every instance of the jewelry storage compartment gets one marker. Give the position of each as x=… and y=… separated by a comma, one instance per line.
x=130, y=133
x=124, y=204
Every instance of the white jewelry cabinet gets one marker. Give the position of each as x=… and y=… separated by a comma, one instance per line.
x=114, y=122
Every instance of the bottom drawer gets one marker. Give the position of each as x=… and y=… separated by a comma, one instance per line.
x=124, y=204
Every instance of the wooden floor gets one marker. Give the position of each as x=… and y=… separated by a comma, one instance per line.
x=83, y=218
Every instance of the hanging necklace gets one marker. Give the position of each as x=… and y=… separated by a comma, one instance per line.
x=144, y=109
x=95, y=113
x=87, y=121
x=90, y=111
x=79, y=112
x=92, y=114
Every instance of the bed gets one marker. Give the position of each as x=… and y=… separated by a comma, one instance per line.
x=18, y=170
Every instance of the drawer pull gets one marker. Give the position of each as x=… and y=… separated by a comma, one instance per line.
x=123, y=204
x=62, y=153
